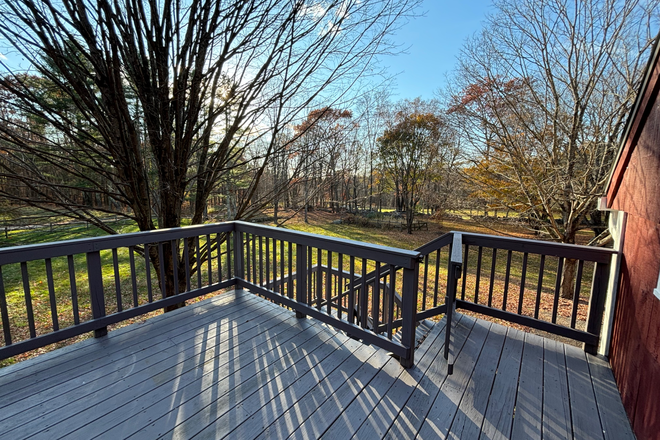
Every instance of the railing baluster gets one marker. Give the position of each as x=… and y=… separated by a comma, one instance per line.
x=275, y=281
x=555, y=302
x=218, y=241
x=175, y=265
x=319, y=278
x=476, y=283
x=115, y=264
x=310, y=277
x=340, y=290
x=95, y=277
x=161, y=265
x=261, y=263
x=465, y=267
x=198, y=263
x=506, y=280
x=28, y=299
x=74, y=290
x=289, y=287
x=282, y=267
x=576, y=293
x=437, y=278
x=364, y=295
x=301, y=277
x=186, y=263
x=375, y=298
x=209, y=258
x=131, y=253
x=230, y=244
x=493, y=261
x=147, y=268
x=426, y=277
x=51, y=294
x=239, y=269
x=328, y=285
x=351, y=289
x=254, y=259
x=4, y=312
x=247, y=269
x=269, y=284
x=390, y=301
x=523, y=275
x=539, y=288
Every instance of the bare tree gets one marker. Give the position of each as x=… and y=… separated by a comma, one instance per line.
x=164, y=98
x=542, y=95
x=415, y=149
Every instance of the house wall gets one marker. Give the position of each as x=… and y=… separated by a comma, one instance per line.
x=635, y=347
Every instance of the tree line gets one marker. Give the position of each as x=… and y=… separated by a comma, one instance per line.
x=156, y=111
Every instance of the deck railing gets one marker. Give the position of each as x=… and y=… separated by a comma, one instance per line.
x=64, y=289
x=55, y=291
x=333, y=280
x=520, y=281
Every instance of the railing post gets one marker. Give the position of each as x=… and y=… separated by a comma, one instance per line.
x=597, y=303
x=301, y=277
x=408, y=312
x=97, y=297
x=239, y=271
x=455, y=269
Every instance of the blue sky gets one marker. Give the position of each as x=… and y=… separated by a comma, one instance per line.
x=434, y=42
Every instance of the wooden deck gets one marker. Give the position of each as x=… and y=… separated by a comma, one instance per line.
x=238, y=366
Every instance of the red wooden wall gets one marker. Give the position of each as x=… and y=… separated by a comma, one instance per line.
x=635, y=189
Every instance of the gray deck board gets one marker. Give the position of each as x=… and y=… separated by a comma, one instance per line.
x=88, y=388
x=109, y=407
x=499, y=415
x=528, y=419
x=357, y=412
x=327, y=386
x=101, y=353
x=556, y=403
x=386, y=411
x=442, y=413
x=206, y=395
x=584, y=414
x=612, y=414
x=411, y=417
x=238, y=366
x=468, y=420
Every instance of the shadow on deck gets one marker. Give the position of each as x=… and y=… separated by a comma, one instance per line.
x=242, y=367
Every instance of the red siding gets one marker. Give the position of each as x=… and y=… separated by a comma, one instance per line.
x=635, y=348
x=635, y=189
x=647, y=100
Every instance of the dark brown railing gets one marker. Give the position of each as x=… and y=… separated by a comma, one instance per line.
x=519, y=281
x=112, y=279
x=94, y=290
x=334, y=281
x=56, y=291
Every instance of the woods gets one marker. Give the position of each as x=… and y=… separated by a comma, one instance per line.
x=168, y=114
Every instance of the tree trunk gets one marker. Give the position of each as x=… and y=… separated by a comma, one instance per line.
x=568, y=278
x=570, y=264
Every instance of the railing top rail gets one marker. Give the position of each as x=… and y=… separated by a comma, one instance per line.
x=578, y=252
x=398, y=257
x=17, y=254
x=435, y=244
